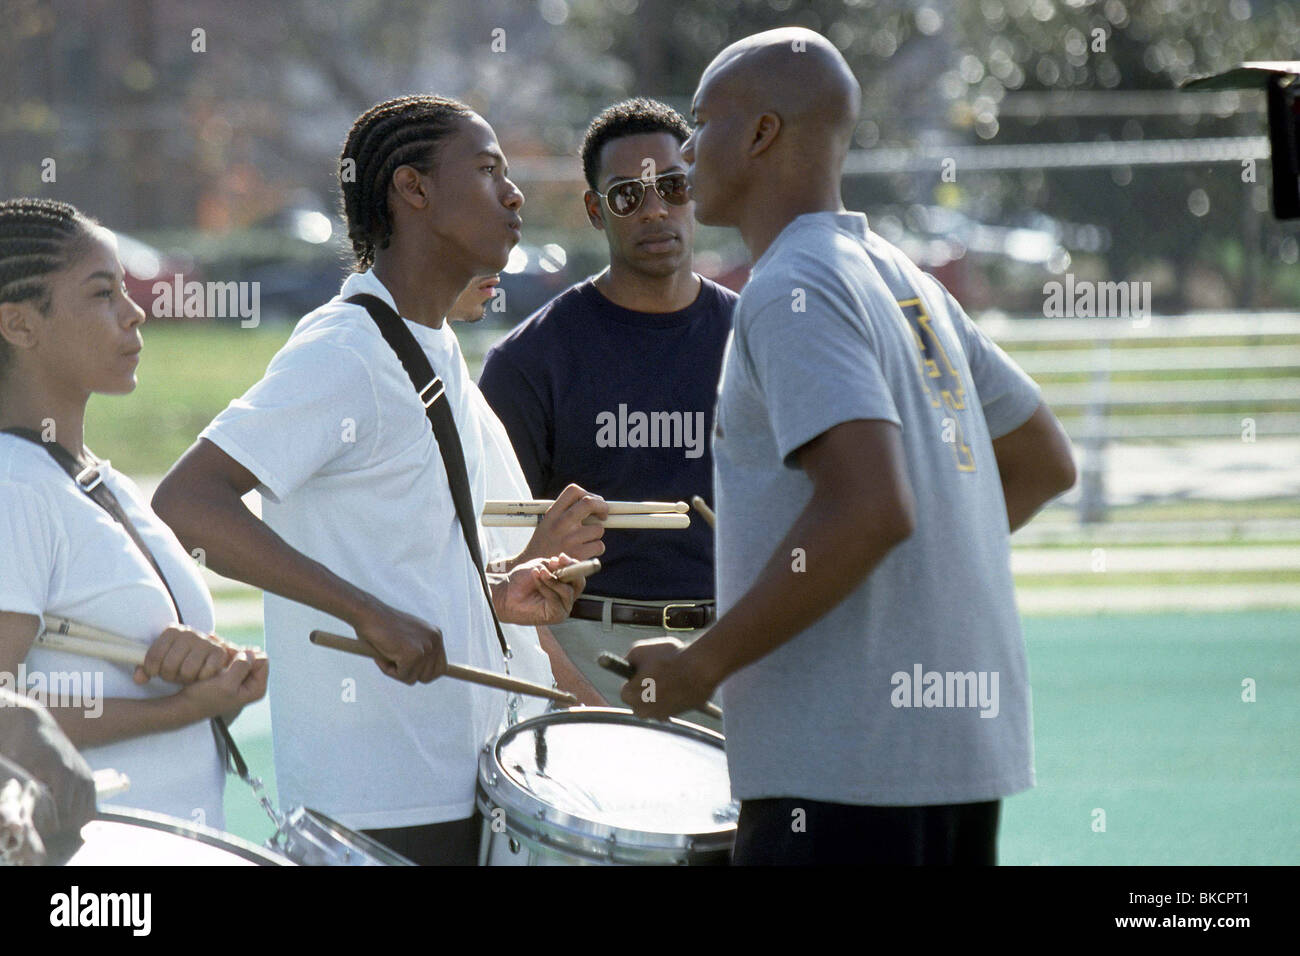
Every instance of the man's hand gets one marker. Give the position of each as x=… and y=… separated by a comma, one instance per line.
x=183, y=655
x=531, y=595
x=666, y=682
x=412, y=650
x=561, y=529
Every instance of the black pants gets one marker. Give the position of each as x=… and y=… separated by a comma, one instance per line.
x=791, y=831
x=454, y=843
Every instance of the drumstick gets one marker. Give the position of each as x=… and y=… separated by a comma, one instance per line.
x=63, y=625
x=541, y=506
x=473, y=675
x=620, y=666
x=88, y=647
x=662, y=522
x=583, y=569
x=705, y=510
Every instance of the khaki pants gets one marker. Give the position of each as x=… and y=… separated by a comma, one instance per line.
x=583, y=640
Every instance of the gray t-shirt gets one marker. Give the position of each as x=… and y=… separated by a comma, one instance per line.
x=913, y=690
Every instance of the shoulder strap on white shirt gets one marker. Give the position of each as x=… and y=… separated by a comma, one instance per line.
x=433, y=396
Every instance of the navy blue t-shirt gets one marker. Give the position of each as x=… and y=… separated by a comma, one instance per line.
x=621, y=403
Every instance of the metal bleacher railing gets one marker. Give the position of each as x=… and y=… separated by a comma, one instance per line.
x=1160, y=380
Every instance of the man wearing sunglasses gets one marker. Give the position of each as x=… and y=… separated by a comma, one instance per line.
x=612, y=384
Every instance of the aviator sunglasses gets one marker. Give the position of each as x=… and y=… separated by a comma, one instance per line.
x=625, y=197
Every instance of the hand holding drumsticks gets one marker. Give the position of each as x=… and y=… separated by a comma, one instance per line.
x=624, y=669
x=583, y=517
x=217, y=678
x=571, y=524
x=179, y=655
x=663, y=682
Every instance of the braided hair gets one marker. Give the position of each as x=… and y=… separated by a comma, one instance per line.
x=404, y=131
x=38, y=237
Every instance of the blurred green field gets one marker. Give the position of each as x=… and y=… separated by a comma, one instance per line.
x=1140, y=716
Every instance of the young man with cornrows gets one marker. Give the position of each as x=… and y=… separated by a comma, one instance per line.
x=361, y=530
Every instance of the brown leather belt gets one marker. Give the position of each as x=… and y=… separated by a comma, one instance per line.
x=671, y=617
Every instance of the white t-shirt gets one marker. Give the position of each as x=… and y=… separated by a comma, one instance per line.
x=506, y=482
x=352, y=477
x=62, y=554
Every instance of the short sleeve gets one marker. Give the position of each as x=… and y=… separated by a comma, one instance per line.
x=1007, y=394
x=315, y=405
x=29, y=547
x=526, y=418
x=813, y=360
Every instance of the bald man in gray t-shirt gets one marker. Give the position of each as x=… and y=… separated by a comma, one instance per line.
x=836, y=325
x=872, y=453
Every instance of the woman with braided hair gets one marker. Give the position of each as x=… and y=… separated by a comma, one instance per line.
x=68, y=330
x=360, y=529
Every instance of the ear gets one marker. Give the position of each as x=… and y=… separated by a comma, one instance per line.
x=592, y=202
x=408, y=187
x=18, y=324
x=766, y=130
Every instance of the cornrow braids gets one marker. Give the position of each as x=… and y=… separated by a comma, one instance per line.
x=38, y=237
x=405, y=131
x=628, y=118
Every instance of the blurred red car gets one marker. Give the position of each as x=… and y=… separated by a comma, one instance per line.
x=145, y=266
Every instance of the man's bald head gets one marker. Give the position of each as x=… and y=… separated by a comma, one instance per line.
x=774, y=115
x=794, y=73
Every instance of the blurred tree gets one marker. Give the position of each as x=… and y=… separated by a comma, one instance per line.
x=1175, y=213
x=150, y=132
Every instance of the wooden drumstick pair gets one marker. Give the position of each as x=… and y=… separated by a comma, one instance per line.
x=623, y=515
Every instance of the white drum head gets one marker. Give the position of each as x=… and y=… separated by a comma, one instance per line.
x=601, y=784
x=137, y=838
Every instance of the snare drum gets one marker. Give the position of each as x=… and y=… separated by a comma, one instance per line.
x=310, y=838
x=598, y=786
x=122, y=837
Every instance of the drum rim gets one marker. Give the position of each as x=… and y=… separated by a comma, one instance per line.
x=369, y=845
x=209, y=836
x=587, y=839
